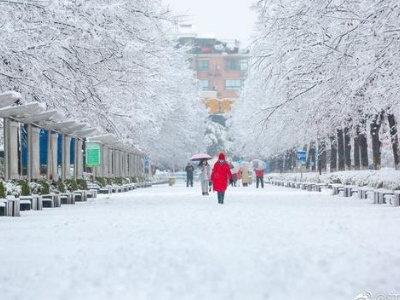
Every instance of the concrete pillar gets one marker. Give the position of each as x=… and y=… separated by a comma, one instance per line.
x=115, y=162
x=110, y=163
x=120, y=158
x=135, y=165
x=131, y=164
x=125, y=165
x=10, y=149
x=66, y=153
x=103, y=162
x=78, y=168
x=52, y=147
x=33, y=167
x=121, y=163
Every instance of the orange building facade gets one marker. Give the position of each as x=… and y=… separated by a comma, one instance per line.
x=220, y=68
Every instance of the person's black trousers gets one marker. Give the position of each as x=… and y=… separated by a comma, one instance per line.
x=261, y=180
x=221, y=197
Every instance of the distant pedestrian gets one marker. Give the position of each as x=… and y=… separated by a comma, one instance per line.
x=189, y=174
x=259, y=178
x=220, y=176
x=245, y=176
x=234, y=179
x=205, y=174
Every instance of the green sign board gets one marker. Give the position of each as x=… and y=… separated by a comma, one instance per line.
x=93, y=154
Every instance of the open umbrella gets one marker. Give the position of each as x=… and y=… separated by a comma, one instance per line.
x=200, y=156
x=258, y=164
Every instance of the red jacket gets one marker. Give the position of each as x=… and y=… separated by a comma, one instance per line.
x=220, y=176
x=259, y=173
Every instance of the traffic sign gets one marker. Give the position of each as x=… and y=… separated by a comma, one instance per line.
x=302, y=156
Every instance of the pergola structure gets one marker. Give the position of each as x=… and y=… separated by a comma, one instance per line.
x=118, y=159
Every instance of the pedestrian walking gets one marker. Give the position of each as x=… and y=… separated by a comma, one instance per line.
x=245, y=176
x=189, y=174
x=220, y=176
x=205, y=174
x=259, y=178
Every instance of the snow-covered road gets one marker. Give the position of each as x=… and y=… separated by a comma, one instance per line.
x=173, y=243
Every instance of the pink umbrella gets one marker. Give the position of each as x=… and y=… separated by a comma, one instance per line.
x=200, y=156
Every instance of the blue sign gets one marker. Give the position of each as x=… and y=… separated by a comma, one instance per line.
x=302, y=156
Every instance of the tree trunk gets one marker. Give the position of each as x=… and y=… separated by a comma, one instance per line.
x=347, y=148
x=311, y=157
x=341, y=153
x=321, y=157
x=362, y=140
x=394, y=139
x=356, y=158
x=273, y=165
x=288, y=161
x=376, y=143
x=294, y=159
x=280, y=164
x=333, y=155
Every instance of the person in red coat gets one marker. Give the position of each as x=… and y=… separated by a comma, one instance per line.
x=220, y=176
x=259, y=178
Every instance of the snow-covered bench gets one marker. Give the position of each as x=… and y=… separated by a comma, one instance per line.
x=35, y=202
x=349, y=190
x=396, y=199
x=80, y=195
x=364, y=191
x=51, y=200
x=337, y=188
x=67, y=198
x=92, y=193
x=13, y=206
x=379, y=195
x=3, y=207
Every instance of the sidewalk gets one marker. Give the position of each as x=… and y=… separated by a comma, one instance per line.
x=170, y=242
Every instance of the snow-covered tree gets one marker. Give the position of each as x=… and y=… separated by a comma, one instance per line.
x=318, y=67
x=112, y=64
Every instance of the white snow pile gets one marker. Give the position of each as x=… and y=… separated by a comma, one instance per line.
x=385, y=178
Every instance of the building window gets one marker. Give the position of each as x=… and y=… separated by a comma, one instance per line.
x=202, y=65
x=233, y=84
x=204, y=85
x=232, y=64
x=244, y=64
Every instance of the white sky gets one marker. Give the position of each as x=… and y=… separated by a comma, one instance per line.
x=224, y=19
x=172, y=243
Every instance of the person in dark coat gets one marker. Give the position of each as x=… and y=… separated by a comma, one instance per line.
x=189, y=174
x=220, y=176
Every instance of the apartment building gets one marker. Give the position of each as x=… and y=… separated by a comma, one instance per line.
x=220, y=67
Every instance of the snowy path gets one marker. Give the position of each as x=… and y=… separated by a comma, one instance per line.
x=167, y=242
